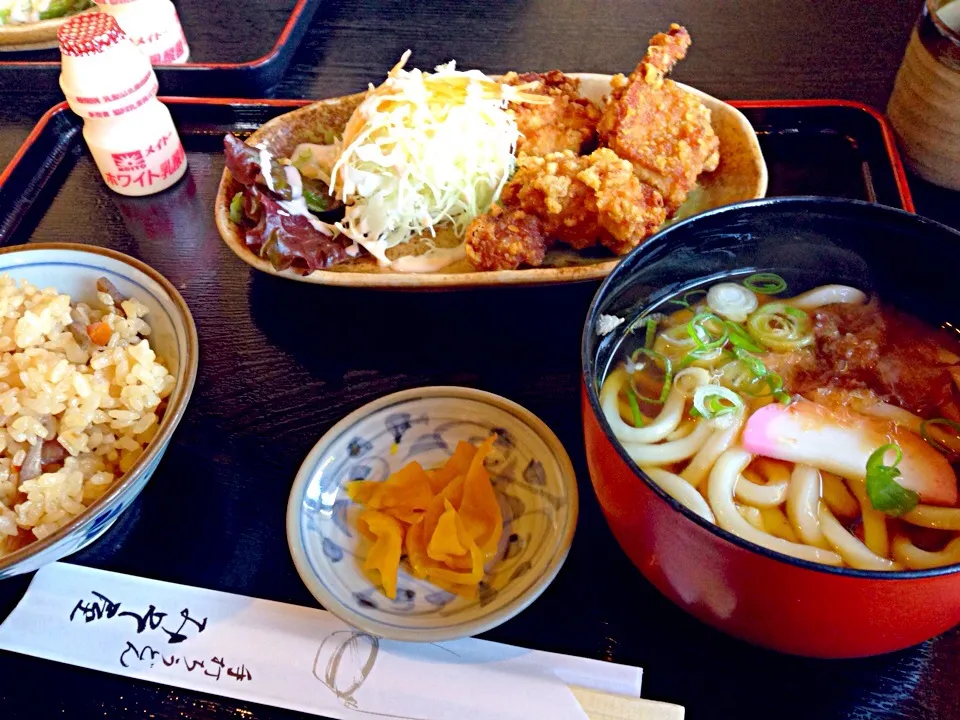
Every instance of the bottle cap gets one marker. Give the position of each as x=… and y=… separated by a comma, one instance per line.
x=102, y=74
x=88, y=34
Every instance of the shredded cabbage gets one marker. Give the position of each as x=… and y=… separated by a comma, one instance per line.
x=424, y=149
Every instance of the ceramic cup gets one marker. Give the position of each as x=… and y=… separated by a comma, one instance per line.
x=925, y=106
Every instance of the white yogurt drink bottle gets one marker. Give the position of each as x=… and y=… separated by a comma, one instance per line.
x=153, y=26
x=112, y=86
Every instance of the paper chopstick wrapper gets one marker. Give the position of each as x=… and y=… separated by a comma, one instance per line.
x=605, y=706
x=288, y=656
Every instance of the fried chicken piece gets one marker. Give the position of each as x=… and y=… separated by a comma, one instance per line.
x=505, y=239
x=581, y=200
x=568, y=123
x=548, y=188
x=586, y=200
x=664, y=131
x=629, y=211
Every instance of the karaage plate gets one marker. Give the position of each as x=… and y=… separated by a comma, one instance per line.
x=741, y=175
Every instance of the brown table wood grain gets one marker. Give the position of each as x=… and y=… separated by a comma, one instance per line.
x=282, y=362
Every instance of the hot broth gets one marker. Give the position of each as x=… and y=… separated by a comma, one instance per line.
x=824, y=425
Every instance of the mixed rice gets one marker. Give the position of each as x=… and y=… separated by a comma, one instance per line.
x=81, y=395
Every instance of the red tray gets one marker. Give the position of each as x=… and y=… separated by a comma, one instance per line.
x=40, y=70
x=279, y=367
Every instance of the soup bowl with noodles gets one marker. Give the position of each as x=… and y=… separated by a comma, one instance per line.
x=771, y=408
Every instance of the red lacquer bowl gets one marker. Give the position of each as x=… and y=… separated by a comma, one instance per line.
x=747, y=591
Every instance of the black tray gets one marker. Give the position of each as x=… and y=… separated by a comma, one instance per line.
x=833, y=148
x=829, y=147
x=281, y=362
x=240, y=47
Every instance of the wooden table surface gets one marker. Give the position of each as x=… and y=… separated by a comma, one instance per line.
x=281, y=362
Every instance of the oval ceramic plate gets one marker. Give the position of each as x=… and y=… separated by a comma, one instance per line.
x=742, y=175
x=532, y=476
x=40, y=35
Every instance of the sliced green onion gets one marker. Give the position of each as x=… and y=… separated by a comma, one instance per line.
x=755, y=364
x=651, y=333
x=740, y=338
x=765, y=283
x=885, y=493
x=773, y=382
x=713, y=401
x=780, y=327
x=667, y=375
x=731, y=301
x=686, y=299
x=925, y=433
x=634, y=407
x=236, y=209
x=644, y=321
x=699, y=354
x=761, y=383
x=701, y=334
x=678, y=336
x=736, y=375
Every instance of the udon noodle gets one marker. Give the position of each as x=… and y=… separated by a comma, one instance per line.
x=822, y=426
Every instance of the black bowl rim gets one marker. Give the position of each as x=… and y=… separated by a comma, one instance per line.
x=588, y=374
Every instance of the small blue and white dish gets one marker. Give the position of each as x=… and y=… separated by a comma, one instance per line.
x=531, y=474
x=74, y=269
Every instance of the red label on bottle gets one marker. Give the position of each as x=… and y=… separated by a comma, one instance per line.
x=144, y=167
x=171, y=54
x=129, y=161
x=116, y=96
